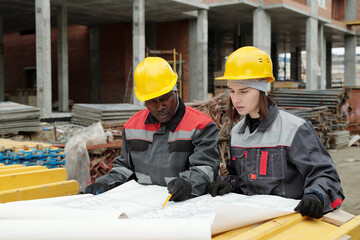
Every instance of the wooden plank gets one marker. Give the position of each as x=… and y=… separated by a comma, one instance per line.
x=26, y=179
x=352, y=23
x=351, y=228
x=338, y=217
x=62, y=188
x=11, y=166
x=346, y=237
x=21, y=169
x=113, y=144
x=271, y=228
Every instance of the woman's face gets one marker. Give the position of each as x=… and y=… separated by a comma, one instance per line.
x=245, y=100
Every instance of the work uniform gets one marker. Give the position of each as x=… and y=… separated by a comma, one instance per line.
x=283, y=156
x=156, y=153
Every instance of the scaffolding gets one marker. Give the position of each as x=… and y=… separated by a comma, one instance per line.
x=176, y=62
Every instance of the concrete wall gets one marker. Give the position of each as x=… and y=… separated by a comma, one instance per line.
x=19, y=53
x=115, y=61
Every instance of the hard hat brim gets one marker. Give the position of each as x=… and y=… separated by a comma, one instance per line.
x=269, y=79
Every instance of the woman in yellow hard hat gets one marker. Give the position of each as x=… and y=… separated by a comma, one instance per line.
x=273, y=151
x=167, y=143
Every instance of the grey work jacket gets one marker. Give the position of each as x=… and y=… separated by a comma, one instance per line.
x=155, y=153
x=283, y=156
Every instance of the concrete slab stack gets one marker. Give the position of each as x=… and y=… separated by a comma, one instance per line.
x=86, y=114
x=15, y=117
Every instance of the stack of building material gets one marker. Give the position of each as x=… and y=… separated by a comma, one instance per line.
x=332, y=98
x=30, y=154
x=321, y=107
x=86, y=114
x=18, y=182
x=320, y=119
x=339, y=139
x=15, y=117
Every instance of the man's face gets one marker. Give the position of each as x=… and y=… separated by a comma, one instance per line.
x=163, y=107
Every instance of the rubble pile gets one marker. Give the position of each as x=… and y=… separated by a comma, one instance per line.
x=103, y=155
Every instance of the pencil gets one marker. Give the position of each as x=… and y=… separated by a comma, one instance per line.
x=166, y=200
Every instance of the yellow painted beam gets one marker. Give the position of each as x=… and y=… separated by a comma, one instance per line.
x=351, y=228
x=11, y=166
x=270, y=228
x=63, y=188
x=315, y=229
x=233, y=233
x=21, y=169
x=26, y=179
x=352, y=23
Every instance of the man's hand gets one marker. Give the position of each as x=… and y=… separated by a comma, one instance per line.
x=311, y=205
x=219, y=187
x=180, y=189
x=97, y=188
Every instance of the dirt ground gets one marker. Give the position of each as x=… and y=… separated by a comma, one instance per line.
x=347, y=163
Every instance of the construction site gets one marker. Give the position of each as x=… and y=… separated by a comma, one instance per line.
x=68, y=88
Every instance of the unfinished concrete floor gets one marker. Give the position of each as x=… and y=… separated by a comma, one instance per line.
x=347, y=163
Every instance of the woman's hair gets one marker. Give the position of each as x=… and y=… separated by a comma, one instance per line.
x=264, y=103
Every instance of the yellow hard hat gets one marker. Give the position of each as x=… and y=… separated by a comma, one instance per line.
x=248, y=63
x=153, y=77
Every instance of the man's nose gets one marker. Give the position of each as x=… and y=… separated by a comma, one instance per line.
x=158, y=104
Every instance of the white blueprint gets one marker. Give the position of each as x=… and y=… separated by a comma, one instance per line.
x=132, y=202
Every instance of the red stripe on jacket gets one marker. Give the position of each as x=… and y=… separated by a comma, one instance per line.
x=263, y=163
x=336, y=203
x=192, y=119
x=137, y=122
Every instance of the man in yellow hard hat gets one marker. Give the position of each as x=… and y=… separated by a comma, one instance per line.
x=168, y=143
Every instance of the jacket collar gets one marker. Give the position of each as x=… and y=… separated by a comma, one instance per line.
x=175, y=119
x=263, y=125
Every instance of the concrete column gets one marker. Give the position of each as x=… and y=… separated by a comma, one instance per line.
x=138, y=38
x=350, y=47
x=43, y=57
x=312, y=47
x=63, y=65
x=350, y=61
x=2, y=77
x=198, y=42
x=295, y=65
x=321, y=58
x=262, y=30
x=350, y=10
x=328, y=64
x=94, y=35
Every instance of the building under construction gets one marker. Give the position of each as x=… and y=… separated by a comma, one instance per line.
x=85, y=51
